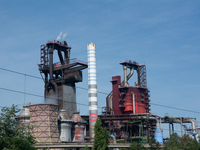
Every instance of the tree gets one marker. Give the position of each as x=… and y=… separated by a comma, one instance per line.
x=136, y=146
x=14, y=136
x=153, y=144
x=86, y=148
x=173, y=142
x=188, y=143
x=185, y=143
x=101, y=138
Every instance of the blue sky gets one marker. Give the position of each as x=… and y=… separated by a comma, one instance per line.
x=165, y=35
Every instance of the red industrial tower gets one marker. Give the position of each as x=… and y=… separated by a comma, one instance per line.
x=125, y=99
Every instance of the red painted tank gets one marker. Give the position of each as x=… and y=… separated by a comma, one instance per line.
x=79, y=133
x=128, y=103
x=78, y=128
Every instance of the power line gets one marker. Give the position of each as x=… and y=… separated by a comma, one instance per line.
x=39, y=96
x=20, y=73
x=98, y=107
x=175, y=108
x=84, y=89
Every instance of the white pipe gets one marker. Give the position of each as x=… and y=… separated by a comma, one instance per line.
x=133, y=95
x=130, y=74
x=193, y=125
x=160, y=125
x=114, y=141
x=125, y=76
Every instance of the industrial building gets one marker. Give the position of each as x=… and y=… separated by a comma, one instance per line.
x=126, y=115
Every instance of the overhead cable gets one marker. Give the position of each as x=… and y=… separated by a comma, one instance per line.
x=83, y=89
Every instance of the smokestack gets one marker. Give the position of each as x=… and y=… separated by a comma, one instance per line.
x=92, y=86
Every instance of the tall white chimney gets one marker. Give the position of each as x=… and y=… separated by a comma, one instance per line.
x=92, y=86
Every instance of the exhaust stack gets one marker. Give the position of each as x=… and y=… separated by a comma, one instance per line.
x=92, y=86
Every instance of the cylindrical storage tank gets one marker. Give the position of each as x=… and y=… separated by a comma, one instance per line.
x=128, y=104
x=24, y=116
x=158, y=135
x=65, y=126
x=43, y=119
x=79, y=133
x=92, y=86
x=78, y=128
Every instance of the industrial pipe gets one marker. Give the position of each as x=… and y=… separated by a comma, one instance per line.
x=61, y=57
x=125, y=76
x=193, y=125
x=114, y=141
x=186, y=120
x=51, y=64
x=133, y=95
x=130, y=74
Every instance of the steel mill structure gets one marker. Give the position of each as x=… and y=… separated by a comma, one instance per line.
x=60, y=77
x=92, y=86
x=56, y=121
x=126, y=116
x=125, y=99
x=127, y=112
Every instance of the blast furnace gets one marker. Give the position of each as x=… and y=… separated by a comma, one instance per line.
x=60, y=78
x=125, y=99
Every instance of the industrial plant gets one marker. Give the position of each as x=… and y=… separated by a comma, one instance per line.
x=127, y=115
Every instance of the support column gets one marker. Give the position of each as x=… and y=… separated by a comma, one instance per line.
x=51, y=63
x=181, y=126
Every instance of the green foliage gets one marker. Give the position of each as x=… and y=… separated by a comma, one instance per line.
x=101, y=139
x=86, y=148
x=14, y=136
x=185, y=143
x=188, y=143
x=153, y=144
x=173, y=143
x=136, y=146
x=106, y=136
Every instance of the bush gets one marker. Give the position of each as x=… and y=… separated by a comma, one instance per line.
x=13, y=136
x=136, y=146
x=86, y=148
x=185, y=143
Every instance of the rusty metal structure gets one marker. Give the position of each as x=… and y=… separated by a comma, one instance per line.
x=127, y=113
x=127, y=117
x=131, y=127
x=125, y=99
x=60, y=77
x=78, y=128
